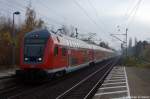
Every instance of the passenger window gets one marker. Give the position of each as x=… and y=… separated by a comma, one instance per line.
x=64, y=51
x=56, y=51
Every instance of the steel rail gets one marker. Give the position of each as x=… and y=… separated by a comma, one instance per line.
x=82, y=81
x=101, y=79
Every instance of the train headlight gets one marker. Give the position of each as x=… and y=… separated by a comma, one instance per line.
x=40, y=59
x=25, y=59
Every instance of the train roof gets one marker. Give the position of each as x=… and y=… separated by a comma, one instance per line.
x=73, y=42
x=44, y=33
x=64, y=40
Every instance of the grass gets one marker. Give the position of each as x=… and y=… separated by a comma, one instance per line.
x=132, y=61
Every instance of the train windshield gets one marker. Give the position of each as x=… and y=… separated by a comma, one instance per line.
x=34, y=50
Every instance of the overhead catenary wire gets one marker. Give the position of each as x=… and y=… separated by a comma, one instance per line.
x=136, y=10
x=133, y=12
x=89, y=17
x=50, y=10
x=22, y=8
x=131, y=15
x=53, y=11
x=96, y=12
x=10, y=6
x=130, y=8
x=18, y=6
x=43, y=16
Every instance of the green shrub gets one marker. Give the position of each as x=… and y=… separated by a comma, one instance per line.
x=132, y=61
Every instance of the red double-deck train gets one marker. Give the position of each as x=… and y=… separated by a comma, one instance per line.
x=45, y=54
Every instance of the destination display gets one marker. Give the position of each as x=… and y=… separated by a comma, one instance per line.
x=35, y=41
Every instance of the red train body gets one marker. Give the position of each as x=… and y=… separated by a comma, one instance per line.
x=50, y=53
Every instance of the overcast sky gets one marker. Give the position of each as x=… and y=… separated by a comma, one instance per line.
x=98, y=16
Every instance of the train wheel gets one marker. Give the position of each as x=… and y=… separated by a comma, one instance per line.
x=60, y=73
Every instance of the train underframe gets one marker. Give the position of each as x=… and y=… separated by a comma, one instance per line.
x=37, y=75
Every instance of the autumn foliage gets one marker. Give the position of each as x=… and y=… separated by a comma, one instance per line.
x=6, y=40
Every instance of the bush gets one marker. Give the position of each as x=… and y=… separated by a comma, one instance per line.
x=132, y=61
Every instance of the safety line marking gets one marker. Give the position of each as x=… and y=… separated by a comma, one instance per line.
x=112, y=87
x=114, y=92
x=117, y=71
x=115, y=80
x=117, y=74
x=118, y=77
x=114, y=83
x=127, y=84
x=114, y=76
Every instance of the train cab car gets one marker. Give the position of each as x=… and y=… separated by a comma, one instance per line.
x=44, y=54
x=34, y=54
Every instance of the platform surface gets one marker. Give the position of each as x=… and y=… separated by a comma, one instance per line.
x=7, y=72
x=125, y=83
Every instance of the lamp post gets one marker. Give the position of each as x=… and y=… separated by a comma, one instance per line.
x=13, y=35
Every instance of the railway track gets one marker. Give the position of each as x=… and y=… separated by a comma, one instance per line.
x=6, y=82
x=81, y=91
x=20, y=87
x=56, y=87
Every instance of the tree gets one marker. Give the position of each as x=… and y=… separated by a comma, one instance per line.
x=72, y=31
x=31, y=22
x=135, y=41
x=40, y=24
x=5, y=40
x=130, y=42
x=146, y=53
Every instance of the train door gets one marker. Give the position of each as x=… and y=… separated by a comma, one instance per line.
x=69, y=57
x=68, y=53
x=92, y=54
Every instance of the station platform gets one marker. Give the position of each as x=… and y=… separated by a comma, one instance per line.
x=125, y=83
x=7, y=72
